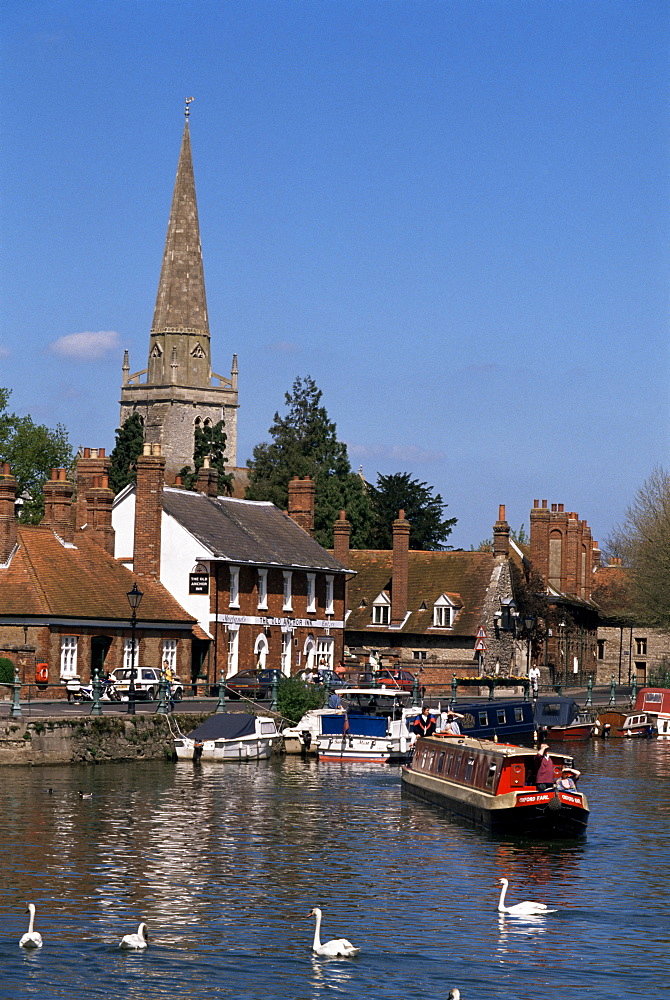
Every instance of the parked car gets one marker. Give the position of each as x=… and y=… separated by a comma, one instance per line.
x=147, y=680
x=252, y=683
x=329, y=678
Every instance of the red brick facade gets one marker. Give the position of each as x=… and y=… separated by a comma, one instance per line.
x=148, y=513
x=562, y=549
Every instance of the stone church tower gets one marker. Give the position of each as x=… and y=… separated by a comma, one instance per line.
x=180, y=392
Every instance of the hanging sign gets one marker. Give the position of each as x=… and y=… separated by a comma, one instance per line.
x=198, y=583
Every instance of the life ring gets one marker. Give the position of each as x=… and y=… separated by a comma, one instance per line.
x=41, y=673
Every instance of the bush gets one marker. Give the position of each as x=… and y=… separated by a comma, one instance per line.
x=6, y=670
x=294, y=698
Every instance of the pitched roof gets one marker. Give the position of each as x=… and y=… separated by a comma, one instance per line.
x=47, y=578
x=464, y=576
x=247, y=531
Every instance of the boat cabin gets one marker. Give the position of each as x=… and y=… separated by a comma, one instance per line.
x=555, y=710
x=509, y=720
x=656, y=700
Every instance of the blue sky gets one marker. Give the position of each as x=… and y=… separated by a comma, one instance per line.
x=452, y=215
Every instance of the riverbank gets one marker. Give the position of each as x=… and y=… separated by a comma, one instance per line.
x=90, y=739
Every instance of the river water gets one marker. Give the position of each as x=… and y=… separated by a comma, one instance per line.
x=224, y=862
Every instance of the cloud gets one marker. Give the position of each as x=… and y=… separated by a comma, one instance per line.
x=4, y=351
x=86, y=346
x=408, y=454
x=283, y=347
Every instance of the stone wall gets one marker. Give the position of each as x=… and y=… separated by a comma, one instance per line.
x=90, y=739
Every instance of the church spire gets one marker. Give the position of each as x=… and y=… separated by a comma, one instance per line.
x=180, y=326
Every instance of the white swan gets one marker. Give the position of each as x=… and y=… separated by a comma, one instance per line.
x=520, y=909
x=136, y=941
x=31, y=939
x=337, y=948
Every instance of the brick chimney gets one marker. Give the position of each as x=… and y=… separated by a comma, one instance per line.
x=301, y=494
x=208, y=479
x=341, y=536
x=99, y=499
x=148, y=512
x=91, y=464
x=400, y=584
x=58, y=513
x=501, y=535
x=7, y=512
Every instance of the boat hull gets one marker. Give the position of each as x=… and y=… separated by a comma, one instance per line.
x=224, y=750
x=525, y=812
x=361, y=750
x=568, y=734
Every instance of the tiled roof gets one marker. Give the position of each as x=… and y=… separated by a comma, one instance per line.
x=464, y=576
x=46, y=578
x=247, y=531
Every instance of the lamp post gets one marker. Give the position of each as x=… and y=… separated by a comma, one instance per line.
x=529, y=625
x=134, y=600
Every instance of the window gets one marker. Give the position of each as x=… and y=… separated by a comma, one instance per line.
x=262, y=590
x=601, y=649
x=490, y=776
x=68, y=656
x=233, y=649
x=288, y=596
x=128, y=659
x=381, y=614
x=286, y=646
x=640, y=647
x=324, y=652
x=234, y=586
x=261, y=651
x=468, y=768
x=311, y=592
x=308, y=652
x=483, y=719
x=440, y=763
x=419, y=654
x=330, y=607
x=501, y=716
x=170, y=654
x=518, y=715
x=443, y=612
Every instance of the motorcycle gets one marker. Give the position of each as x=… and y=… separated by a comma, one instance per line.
x=77, y=692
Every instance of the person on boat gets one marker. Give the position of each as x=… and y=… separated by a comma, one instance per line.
x=424, y=724
x=452, y=725
x=334, y=701
x=544, y=773
x=566, y=782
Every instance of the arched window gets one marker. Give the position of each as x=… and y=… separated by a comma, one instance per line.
x=308, y=652
x=261, y=649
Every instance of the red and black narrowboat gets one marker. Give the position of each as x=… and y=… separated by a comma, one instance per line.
x=492, y=785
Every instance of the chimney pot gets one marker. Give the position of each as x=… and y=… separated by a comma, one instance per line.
x=87, y=452
x=501, y=512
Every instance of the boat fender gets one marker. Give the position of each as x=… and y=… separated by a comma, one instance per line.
x=555, y=803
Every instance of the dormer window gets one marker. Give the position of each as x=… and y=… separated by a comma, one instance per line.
x=444, y=612
x=381, y=609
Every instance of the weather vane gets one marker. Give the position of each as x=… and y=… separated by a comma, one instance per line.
x=187, y=109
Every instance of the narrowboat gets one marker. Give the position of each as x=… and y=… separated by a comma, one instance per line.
x=492, y=785
x=498, y=720
x=562, y=718
x=228, y=736
x=374, y=726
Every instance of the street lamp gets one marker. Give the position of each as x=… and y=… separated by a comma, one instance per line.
x=134, y=600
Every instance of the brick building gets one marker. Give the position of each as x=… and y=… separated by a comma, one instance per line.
x=63, y=594
x=263, y=591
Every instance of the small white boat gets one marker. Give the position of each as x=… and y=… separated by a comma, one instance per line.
x=301, y=739
x=375, y=725
x=233, y=736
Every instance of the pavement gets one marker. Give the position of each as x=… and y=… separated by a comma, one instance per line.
x=61, y=709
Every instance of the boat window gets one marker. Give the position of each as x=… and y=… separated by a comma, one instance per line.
x=430, y=762
x=518, y=715
x=501, y=716
x=468, y=768
x=552, y=708
x=268, y=727
x=219, y=744
x=440, y=763
x=468, y=721
x=490, y=776
x=483, y=719
x=179, y=743
x=450, y=763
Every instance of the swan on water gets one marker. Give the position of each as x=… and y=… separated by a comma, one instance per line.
x=136, y=941
x=85, y=795
x=521, y=909
x=337, y=948
x=31, y=939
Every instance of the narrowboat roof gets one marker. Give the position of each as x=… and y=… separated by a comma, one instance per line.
x=472, y=743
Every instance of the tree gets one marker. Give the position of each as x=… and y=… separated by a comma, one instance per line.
x=32, y=451
x=126, y=451
x=304, y=443
x=209, y=442
x=644, y=543
x=422, y=509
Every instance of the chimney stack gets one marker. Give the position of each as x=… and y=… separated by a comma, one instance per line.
x=58, y=513
x=148, y=513
x=99, y=499
x=501, y=535
x=341, y=536
x=301, y=493
x=400, y=584
x=91, y=464
x=208, y=479
x=7, y=513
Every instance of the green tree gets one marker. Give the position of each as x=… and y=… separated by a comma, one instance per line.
x=294, y=698
x=126, y=451
x=304, y=443
x=209, y=442
x=643, y=540
x=423, y=509
x=32, y=451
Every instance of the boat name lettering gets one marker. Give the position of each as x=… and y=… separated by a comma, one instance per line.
x=264, y=620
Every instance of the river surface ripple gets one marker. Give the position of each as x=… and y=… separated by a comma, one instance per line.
x=224, y=862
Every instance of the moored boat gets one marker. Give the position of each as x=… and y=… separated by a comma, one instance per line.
x=639, y=725
x=656, y=703
x=499, y=720
x=492, y=785
x=609, y=724
x=562, y=718
x=228, y=736
x=375, y=727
